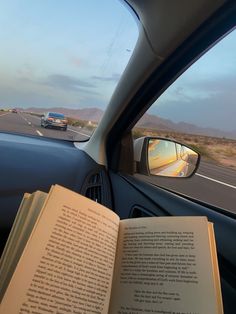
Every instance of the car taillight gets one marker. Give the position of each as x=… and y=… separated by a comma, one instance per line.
x=50, y=119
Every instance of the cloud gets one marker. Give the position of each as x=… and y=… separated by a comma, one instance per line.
x=55, y=89
x=179, y=90
x=217, y=85
x=67, y=82
x=62, y=82
x=25, y=71
x=208, y=103
x=223, y=83
x=38, y=95
x=113, y=78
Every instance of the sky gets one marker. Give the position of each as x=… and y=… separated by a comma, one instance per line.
x=71, y=53
x=205, y=94
x=67, y=53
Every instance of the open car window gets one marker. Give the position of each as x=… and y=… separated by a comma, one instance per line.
x=58, y=56
x=198, y=110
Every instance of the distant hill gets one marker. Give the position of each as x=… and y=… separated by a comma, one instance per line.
x=147, y=121
x=88, y=114
x=155, y=122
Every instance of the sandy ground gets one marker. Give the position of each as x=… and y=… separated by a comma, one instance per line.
x=219, y=151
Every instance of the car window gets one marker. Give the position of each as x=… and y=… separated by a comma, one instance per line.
x=56, y=115
x=64, y=57
x=199, y=110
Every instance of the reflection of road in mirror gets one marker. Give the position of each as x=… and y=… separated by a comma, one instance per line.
x=161, y=153
x=178, y=168
x=170, y=159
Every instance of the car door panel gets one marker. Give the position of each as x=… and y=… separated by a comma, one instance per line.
x=134, y=198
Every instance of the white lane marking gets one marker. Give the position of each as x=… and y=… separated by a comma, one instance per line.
x=79, y=132
x=217, y=181
x=39, y=133
x=1, y=115
x=68, y=128
x=23, y=117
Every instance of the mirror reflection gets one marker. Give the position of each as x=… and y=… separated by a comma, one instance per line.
x=167, y=158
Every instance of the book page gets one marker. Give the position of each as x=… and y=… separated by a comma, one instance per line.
x=11, y=241
x=68, y=262
x=20, y=216
x=216, y=273
x=164, y=265
x=18, y=238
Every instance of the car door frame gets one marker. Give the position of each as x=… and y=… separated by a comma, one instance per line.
x=144, y=199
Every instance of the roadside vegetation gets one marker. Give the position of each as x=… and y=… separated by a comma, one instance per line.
x=89, y=125
x=83, y=124
x=219, y=151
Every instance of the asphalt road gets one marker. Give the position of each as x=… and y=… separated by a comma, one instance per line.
x=212, y=184
x=27, y=123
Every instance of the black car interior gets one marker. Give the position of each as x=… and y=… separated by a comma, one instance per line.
x=29, y=163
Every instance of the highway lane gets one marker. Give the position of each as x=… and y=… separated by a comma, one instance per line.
x=215, y=172
x=26, y=123
x=12, y=122
x=211, y=183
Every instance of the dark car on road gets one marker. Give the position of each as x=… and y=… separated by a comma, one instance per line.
x=54, y=119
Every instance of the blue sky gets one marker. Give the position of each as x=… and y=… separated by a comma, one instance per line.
x=205, y=94
x=71, y=53
x=63, y=53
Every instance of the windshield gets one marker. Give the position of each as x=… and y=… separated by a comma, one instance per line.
x=64, y=57
x=56, y=115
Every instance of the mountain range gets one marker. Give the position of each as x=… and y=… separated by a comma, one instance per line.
x=147, y=121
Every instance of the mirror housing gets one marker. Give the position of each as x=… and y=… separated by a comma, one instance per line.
x=163, y=157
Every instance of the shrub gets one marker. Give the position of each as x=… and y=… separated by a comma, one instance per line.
x=137, y=133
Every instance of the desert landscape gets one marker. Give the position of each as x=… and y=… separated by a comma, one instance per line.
x=214, y=145
x=220, y=151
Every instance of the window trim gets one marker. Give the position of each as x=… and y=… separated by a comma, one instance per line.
x=207, y=35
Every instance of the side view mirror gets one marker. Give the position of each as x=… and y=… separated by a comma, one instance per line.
x=164, y=157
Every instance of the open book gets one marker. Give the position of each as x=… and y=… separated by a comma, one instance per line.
x=68, y=254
